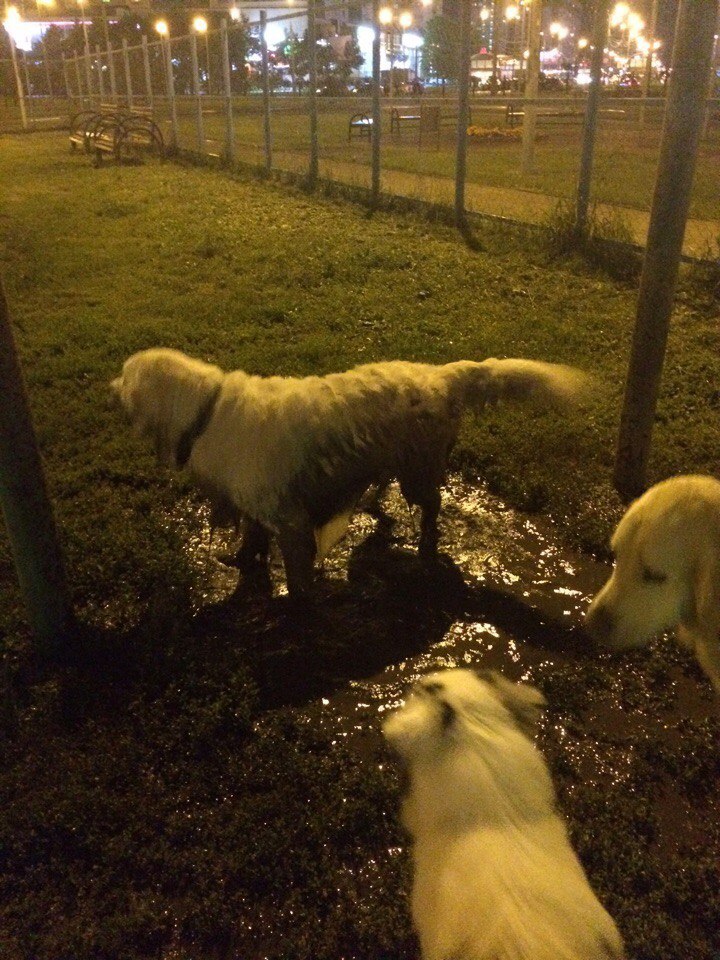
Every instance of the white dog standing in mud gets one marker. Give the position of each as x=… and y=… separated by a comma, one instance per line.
x=293, y=456
x=495, y=877
x=667, y=572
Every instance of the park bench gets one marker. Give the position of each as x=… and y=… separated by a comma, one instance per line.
x=514, y=115
x=403, y=115
x=122, y=132
x=360, y=126
x=84, y=125
x=127, y=138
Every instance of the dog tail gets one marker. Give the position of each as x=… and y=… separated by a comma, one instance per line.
x=547, y=384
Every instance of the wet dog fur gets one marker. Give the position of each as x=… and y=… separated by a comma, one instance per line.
x=495, y=877
x=293, y=456
x=667, y=572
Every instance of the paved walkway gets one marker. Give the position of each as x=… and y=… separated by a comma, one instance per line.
x=702, y=237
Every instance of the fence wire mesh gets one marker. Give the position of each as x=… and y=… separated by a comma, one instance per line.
x=206, y=93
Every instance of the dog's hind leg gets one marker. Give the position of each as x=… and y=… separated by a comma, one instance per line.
x=255, y=547
x=253, y=551
x=298, y=548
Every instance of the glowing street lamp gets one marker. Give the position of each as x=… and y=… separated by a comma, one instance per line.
x=84, y=25
x=13, y=20
x=619, y=14
x=397, y=22
x=200, y=25
x=161, y=27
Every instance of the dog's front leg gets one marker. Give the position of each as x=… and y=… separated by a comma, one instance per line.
x=297, y=545
x=429, y=535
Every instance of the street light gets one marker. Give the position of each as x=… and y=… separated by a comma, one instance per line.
x=12, y=21
x=88, y=69
x=397, y=21
x=84, y=25
x=200, y=26
x=46, y=58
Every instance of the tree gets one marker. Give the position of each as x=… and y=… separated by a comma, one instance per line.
x=441, y=49
x=336, y=59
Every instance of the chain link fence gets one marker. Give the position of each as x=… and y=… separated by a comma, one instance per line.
x=226, y=93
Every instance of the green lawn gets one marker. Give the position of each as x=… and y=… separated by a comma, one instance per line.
x=151, y=803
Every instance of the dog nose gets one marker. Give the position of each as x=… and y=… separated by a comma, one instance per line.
x=600, y=622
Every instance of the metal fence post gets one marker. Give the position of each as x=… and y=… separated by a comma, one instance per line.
x=26, y=506
x=146, y=68
x=495, y=49
x=66, y=77
x=648, y=65
x=101, y=79
x=111, y=71
x=600, y=32
x=18, y=82
x=196, y=91
x=166, y=46
x=463, y=113
x=684, y=111
x=376, y=112
x=229, y=123
x=531, y=87
x=46, y=64
x=128, y=77
x=267, y=136
x=77, y=78
x=312, y=102
x=88, y=61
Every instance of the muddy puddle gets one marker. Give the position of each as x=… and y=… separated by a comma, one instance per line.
x=506, y=595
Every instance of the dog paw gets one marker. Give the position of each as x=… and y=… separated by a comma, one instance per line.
x=244, y=562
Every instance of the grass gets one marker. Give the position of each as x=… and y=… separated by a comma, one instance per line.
x=157, y=800
x=624, y=168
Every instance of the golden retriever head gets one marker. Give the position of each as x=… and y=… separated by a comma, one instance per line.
x=667, y=566
x=164, y=392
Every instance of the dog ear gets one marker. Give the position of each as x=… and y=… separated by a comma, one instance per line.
x=706, y=587
x=524, y=701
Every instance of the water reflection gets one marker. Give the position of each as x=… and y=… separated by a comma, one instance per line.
x=507, y=595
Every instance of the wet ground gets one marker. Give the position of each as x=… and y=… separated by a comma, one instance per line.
x=506, y=594
x=242, y=761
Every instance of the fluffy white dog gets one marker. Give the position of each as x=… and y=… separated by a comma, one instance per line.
x=495, y=877
x=667, y=572
x=293, y=456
